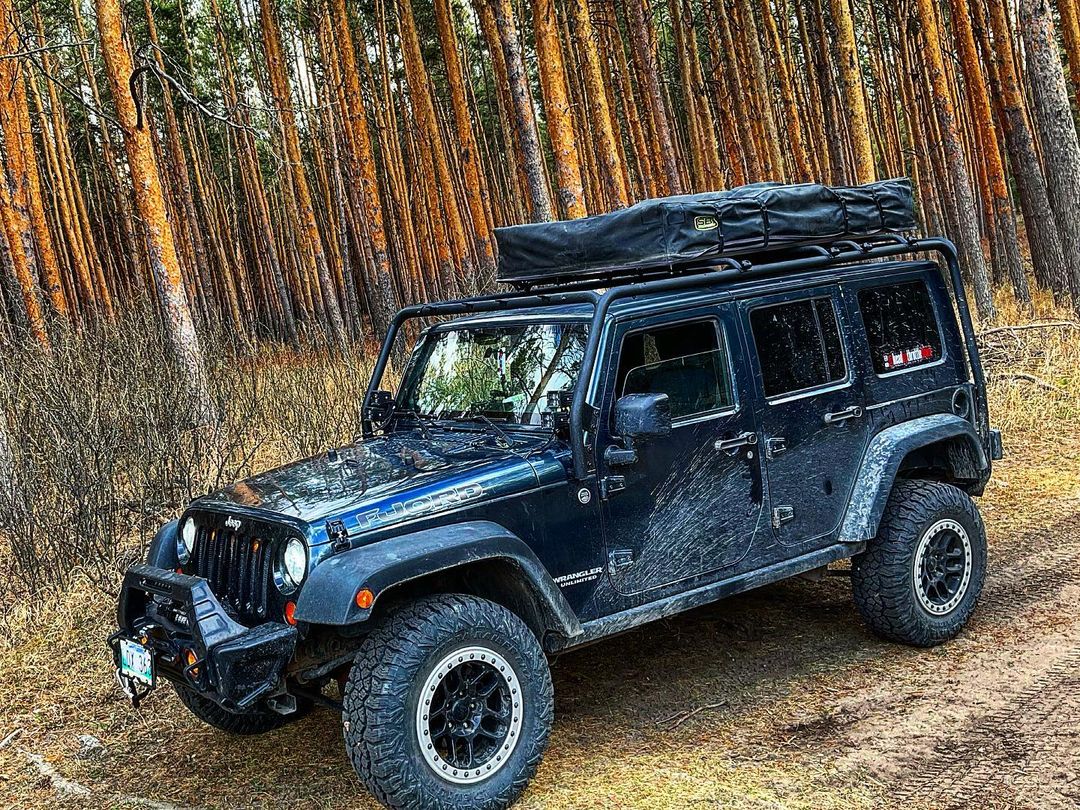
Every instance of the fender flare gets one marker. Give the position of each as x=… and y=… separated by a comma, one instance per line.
x=882, y=460
x=162, y=551
x=328, y=597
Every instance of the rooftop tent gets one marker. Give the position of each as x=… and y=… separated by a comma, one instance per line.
x=692, y=229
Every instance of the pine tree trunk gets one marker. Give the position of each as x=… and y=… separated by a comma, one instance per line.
x=470, y=150
x=1001, y=212
x=799, y=159
x=968, y=234
x=1057, y=131
x=560, y=122
x=851, y=86
x=1044, y=239
x=508, y=47
x=150, y=202
x=363, y=162
x=641, y=44
x=303, y=203
x=600, y=113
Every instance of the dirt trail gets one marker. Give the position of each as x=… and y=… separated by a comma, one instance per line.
x=778, y=698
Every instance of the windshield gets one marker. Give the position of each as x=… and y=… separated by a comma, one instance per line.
x=498, y=372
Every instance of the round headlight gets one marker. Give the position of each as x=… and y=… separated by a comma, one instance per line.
x=294, y=562
x=187, y=540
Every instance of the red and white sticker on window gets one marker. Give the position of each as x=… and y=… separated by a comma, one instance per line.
x=919, y=354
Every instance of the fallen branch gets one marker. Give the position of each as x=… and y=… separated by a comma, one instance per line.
x=1031, y=378
x=1025, y=326
x=682, y=717
x=9, y=739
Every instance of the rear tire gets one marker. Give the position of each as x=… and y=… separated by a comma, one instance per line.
x=448, y=705
x=257, y=721
x=919, y=580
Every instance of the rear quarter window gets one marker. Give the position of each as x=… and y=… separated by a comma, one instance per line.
x=798, y=346
x=901, y=326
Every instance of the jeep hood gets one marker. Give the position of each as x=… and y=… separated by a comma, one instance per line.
x=382, y=481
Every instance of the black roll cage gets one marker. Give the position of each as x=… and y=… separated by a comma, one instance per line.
x=676, y=278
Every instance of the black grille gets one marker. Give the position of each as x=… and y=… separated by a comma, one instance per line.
x=238, y=566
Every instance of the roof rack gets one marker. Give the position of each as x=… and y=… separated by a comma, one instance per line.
x=815, y=257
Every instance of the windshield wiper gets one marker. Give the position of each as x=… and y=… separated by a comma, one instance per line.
x=424, y=429
x=475, y=416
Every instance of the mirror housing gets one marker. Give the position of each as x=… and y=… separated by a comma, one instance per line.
x=640, y=417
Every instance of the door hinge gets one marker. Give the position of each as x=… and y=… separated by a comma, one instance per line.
x=781, y=515
x=774, y=446
x=611, y=484
x=620, y=559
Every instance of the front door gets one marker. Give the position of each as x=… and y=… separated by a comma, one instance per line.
x=813, y=422
x=690, y=504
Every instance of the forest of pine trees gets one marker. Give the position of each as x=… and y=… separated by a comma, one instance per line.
x=291, y=169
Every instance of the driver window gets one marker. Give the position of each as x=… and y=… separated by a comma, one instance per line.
x=686, y=361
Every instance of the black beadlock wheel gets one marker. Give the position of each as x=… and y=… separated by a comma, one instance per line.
x=448, y=705
x=919, y=580
x=257, y=721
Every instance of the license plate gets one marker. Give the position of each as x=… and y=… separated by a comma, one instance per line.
x=137, y=662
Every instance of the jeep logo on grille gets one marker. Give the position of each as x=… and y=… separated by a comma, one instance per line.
x=233, y=523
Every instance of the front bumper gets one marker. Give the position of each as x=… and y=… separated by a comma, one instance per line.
x=175, y=614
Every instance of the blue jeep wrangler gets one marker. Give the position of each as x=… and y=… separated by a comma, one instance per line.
x=677, y=402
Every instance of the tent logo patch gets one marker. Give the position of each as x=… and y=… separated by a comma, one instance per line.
x=706, y=223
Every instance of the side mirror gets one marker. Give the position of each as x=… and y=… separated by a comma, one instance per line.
x=640, y=417
x=380, y=406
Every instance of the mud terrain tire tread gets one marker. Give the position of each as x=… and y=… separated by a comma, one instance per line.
x=377, y=715
x=881, y=576
x=249, y=724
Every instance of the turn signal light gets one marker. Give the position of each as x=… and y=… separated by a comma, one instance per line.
x=290, y=612
x=364, y=598
x=190, y=658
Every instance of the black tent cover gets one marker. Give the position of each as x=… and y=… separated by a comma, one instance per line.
x=694, y=228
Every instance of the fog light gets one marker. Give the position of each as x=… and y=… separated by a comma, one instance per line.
x=364, y=598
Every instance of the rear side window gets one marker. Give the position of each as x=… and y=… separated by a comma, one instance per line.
x=798, y=346
x=900, y=326
x=687, y=361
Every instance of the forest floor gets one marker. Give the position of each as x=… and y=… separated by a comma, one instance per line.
x=777, y=698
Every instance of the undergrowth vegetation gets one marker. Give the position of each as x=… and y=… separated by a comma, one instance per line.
x=103, y=451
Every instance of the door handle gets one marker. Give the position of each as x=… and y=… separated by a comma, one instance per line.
x=730, y=445
x=854, y=412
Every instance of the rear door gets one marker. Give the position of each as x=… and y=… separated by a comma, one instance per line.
x=813, y=413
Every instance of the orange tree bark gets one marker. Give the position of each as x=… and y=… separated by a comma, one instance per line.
x=150, y=202
x=507, y=47
x=1057, y=130
x=1047, y=252
x=560, y=122
x=851, y=87
x=470, y=150
x=799, y=159
x=641, y=45
x=314, y=252
x=599, y=110
x=363, y=161
x=1003, y=218
x=46, y=254
x=968, y=235
x=14, y=209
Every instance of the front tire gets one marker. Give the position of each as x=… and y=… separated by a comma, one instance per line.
x=448, y=705
x=919, y=580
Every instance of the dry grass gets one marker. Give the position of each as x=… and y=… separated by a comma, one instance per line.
x=776, y=664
